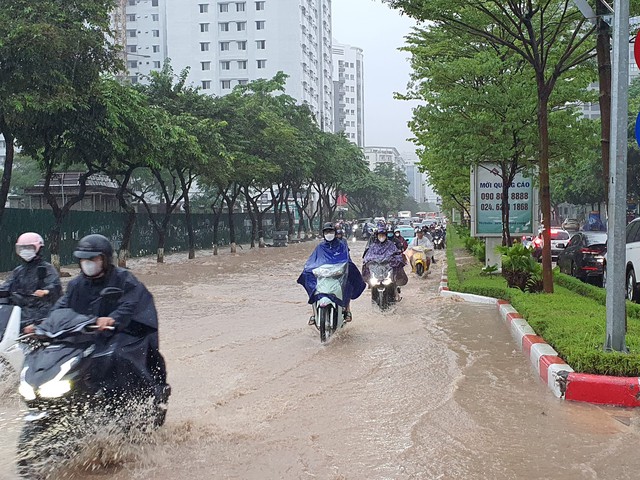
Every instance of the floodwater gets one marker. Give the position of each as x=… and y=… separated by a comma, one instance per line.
x=434, y=389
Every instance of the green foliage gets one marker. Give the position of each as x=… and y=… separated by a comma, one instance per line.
x=572, y=323
x=490, y=270
x=520, y=269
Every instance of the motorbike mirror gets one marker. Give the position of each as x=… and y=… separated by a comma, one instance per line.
x=111, y=293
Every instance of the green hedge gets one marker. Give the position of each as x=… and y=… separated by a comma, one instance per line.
x=572, y=319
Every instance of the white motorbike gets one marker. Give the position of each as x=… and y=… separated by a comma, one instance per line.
x=328, y=314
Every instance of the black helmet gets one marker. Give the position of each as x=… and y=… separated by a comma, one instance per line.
x=94, y=245
x=328, y=226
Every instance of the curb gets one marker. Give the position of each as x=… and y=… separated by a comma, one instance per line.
x=561, y=379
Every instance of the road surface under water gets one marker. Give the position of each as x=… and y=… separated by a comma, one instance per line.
x=433, y=389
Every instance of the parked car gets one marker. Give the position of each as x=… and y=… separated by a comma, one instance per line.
x=559, y=239
x=584, y=256
x=571, y=224
x=633, y=259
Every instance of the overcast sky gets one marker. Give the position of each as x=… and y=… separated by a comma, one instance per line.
x=379, y=31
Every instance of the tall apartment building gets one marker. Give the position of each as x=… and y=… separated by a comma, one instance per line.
x=377, y=155
x=3, y=151
x=227, y=43
x=348, y=88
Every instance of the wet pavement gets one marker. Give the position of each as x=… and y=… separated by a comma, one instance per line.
x=433, y=389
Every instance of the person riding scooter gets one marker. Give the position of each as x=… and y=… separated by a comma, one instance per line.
x=422, y=242
x=332, y=251
x=35, y=281
x=133, y=318
x=399, y=240
x=384, y=250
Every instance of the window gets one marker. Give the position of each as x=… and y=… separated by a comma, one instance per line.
x=132, y=2
x=154, y=3
x=223, y=7
x=132, y=63
x=242, y=45
x=240, y=7
x=204, y=7
x=156, y=64
x=224, y=27
x=155, y=17
x=156, y=33
x=206, y=84
x=204, y=46
x=204, y=27
x=242, y=82
x=241, y=26
x=224, y=46
x=132, y=33
x=261, y=44
x=259, y=5
x=132, y=48
x=260, y=25
x=226, y=84
x=156, y=49
x=351, y=65
x=131, y=18
x=205, y=65
x=226, y=65
x=242, y=64
x=262, y=63
x=632, y=230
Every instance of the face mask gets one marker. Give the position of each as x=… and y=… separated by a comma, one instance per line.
x=329, y=236
x=382, y=238
x=91, y=268
x=397, y=234
x=27, y=254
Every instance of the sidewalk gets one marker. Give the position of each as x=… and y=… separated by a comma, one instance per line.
x=561, y=379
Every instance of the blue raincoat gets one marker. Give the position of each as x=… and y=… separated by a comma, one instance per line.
x=332, y=253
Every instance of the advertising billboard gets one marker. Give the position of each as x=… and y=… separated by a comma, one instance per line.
x=486, y=209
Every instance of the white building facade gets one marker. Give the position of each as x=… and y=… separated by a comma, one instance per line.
x=3, y=151
x=348, y=88
x=226, y=43
x=377, y=155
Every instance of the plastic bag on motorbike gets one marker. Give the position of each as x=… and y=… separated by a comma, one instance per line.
x=331, y=278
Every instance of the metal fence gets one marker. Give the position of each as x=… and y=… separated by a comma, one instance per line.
x=144, y=241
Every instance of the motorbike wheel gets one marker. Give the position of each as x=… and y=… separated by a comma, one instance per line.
x=420, y=269
x=325, y=323
x=384, y=299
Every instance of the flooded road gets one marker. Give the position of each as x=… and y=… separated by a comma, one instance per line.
x=434, y=389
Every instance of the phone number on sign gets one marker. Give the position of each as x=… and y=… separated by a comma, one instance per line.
x=520, y=207
x=498, y=196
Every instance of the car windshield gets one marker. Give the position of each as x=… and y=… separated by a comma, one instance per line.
x=596, y=238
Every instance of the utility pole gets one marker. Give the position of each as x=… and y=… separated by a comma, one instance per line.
x=616, y=243
x=603, y=50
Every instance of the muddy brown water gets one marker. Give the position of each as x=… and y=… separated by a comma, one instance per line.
x=433, y=389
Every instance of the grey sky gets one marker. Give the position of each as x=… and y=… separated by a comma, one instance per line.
x=379, y=31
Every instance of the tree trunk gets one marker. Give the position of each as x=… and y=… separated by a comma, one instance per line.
x=260, y=222
x=161, y=242
x=189, y=219
x=8, y=168
x=545, y=193
x=232, y=227
x=216, y=223
x=290, y=215
x=125, y=246
x=254, y=222
x=603, y=49
x=54, y=244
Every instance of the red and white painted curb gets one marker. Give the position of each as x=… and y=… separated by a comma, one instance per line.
x=553, y=370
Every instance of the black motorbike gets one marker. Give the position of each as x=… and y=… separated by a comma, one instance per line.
x=383, y=284
x=70, y=378
x=439, y=241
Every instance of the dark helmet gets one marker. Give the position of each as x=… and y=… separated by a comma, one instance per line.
x=94, y=245
x=382, y=229
x=328, y=226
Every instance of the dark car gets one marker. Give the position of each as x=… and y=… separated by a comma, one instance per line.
x=583, y=256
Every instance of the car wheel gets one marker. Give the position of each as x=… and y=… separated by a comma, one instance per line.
x=632, y=290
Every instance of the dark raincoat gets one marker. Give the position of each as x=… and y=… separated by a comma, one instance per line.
x=136, y=356
x=25, y=280
x=386, y=251
x=332, y=253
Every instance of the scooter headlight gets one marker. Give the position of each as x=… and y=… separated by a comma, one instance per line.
x=388, y=280
x=26, y=391
x=54, y=388
x=374, y=282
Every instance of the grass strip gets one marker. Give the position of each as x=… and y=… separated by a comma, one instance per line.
x=572, y=319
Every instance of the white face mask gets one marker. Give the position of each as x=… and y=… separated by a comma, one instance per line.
x=91, y=268
x=27, y=254
x=382, y=238
x=329, y=236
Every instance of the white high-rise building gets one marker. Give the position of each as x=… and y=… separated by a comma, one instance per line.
x=348, y=88
x=3, y=151
x=377, y=155
x=227, y=43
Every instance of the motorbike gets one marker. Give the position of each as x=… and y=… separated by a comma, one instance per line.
x=420, y=259
x=382, y=283
x=439, y=239
x=328, y=313
x=11, y=354
x=61, y=385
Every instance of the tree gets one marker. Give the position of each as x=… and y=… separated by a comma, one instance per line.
x=51, y=55
x=550, y=36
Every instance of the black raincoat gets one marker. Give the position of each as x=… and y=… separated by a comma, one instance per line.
x=26, y=279
x=136, y=357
